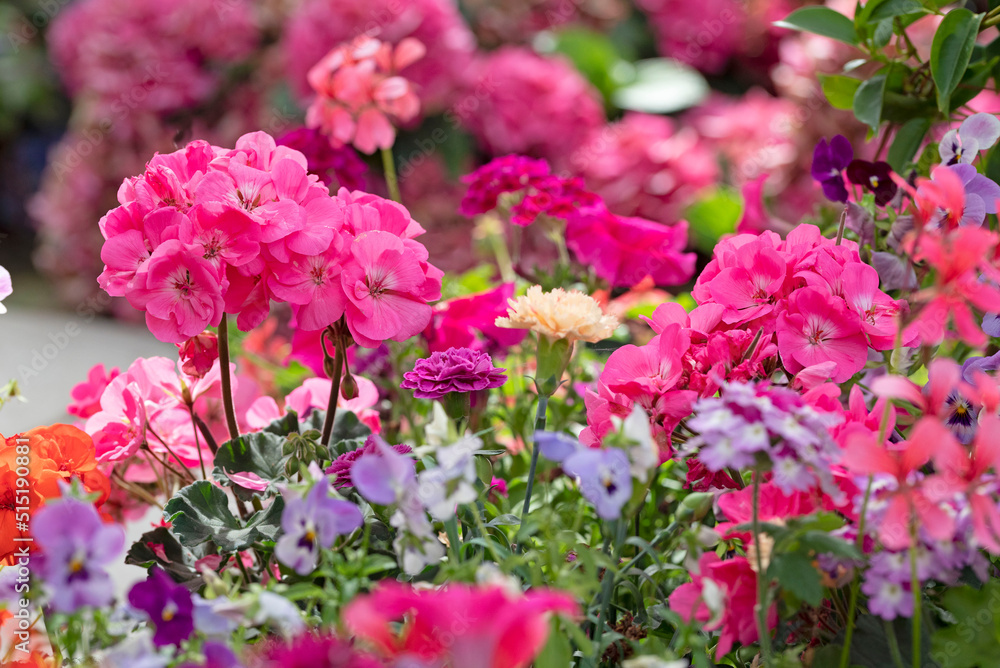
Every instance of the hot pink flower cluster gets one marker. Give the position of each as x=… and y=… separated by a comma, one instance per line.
x=644, y=166
x=540, y=191
x=822, y=302
x=470, y=322
x=318, y=25
x=131, y=55
x=359, y=93
x=623, y=251
x=531, y=104
x=207, y=230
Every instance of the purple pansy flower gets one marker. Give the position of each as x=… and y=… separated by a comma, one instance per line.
x=604, y=479
x=168, y=605
x=312, y=523
x=217, y=655
x=382, y=475
x=829, y=162
x=454, y=370
x=77, y=547
x=875, y=177
x=556, y=445
x=977, y=133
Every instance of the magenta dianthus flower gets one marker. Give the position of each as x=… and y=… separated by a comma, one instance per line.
x=454, y=370
x=340, y=469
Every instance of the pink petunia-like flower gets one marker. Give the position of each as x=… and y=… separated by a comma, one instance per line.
x=819, y=328
x=387, y=290
x=490, y=626
x=87, y=395
x=180, y=292
x=624, y=251
x=360, y=94
x=455, y=323
x=454, y=370
x=721, y=596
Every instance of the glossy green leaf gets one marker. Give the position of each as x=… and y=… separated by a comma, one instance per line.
x=951, y=50
x=795, y=572
x=822, y=21
x=259, y=453
x=879, y=10
x=839, y=90
x=906, y=142
x=868, y=101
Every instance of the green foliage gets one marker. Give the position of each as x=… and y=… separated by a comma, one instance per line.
x=200, y=513
x=951, y=51
x=822, y=21
x=974, y=639
x=713, y=216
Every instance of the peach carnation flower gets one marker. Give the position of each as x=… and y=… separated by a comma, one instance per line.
x=559, y=314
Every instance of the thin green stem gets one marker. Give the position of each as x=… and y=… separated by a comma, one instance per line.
x=890, y=633
x=760, y=609
x=389, y=165
x=227, y=384
x=543, y=403
x=618, y=528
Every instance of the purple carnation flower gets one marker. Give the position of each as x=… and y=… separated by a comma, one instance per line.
x=168, y=605
x=340, y=469
x=77, y=546
x=454, y=370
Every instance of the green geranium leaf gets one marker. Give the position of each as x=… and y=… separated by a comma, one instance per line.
x=200, y=513
x=259, y=453
x=795, y=572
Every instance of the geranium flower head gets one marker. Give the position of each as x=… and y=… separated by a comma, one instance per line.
x=87, y=394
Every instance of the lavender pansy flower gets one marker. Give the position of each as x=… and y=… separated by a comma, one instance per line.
x=991, y=324
x=77, y=548
x=984, y=364
x=556, y=446
x=312, y=523
x=340, y=469
x=829, y=162
x=604, y=479
x=450, y=483
x=876, y=177
x=168, y=605
x=454, y=370
x=977, y=133
x=981, y=194
x=382, y=475
x=135, y=651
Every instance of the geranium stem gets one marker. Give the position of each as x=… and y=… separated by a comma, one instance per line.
x=338, y=370
x=389, y=165
x=760, y=609
x=543, y=404
x=227, y=385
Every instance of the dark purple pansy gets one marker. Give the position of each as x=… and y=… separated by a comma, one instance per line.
x=829, y=162
x=875, y=177
x=168, y=605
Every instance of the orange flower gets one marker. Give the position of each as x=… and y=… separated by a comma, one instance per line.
x=62, y=452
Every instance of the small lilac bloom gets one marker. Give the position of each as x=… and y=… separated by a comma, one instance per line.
x=135, y=651
x=829, y=162
x=209, y=621
x=217, y=655
x=77, y=548
x=340, y=469
x=313, y=523
x=888, y=598
x=977, y=133
x=454, y=370
x=991, y=324
x=981, y=194
x=168, y=605
x=984, y=364
x=382, y=475
x=875, y=177
x=556, y=445
x=604, y=479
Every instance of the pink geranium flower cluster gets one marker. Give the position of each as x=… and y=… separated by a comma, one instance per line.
x=359, y=93
x=624, y=251
x=317, y=25
x=470, y=322
x=820, y=300
x=206, y=231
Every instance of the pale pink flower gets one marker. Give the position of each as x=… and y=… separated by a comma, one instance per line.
x=360, y=95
